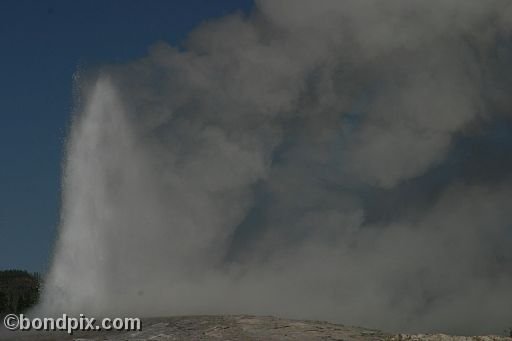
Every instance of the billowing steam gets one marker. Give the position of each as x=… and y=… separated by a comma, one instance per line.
x=340, y=160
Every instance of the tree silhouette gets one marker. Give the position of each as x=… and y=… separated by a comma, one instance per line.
x=19, y=290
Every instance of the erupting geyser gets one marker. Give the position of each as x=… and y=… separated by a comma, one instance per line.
x=325, y=160
x=102, y=179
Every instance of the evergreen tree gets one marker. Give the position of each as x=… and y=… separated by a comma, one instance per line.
x=19, y=290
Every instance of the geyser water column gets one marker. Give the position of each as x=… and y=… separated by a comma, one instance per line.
x=103, y=172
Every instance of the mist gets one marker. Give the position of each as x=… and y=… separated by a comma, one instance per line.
x=339, y=160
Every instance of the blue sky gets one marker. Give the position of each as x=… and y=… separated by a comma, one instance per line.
x=42, y=44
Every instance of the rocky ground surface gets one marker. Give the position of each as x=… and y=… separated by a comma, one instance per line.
x=235, y=328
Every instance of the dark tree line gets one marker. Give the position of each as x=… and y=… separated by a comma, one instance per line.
x=19, y=290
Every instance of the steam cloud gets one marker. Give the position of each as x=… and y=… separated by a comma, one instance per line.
x=339, y=160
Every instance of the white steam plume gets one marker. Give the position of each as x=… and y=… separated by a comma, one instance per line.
x=303, y=161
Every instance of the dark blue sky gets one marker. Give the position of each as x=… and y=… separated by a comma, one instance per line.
x=41, y=45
